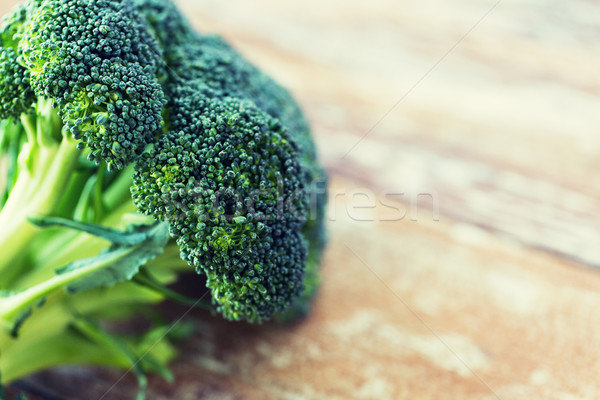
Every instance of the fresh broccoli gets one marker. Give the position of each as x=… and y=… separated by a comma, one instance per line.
x=132, y=150
x=207, y=60
x=228, y=180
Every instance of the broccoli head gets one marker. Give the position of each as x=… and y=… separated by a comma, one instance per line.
x=99, y=65
x=228, y=180
x=208, y=61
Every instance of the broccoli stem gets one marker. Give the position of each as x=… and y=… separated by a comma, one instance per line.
x=33, y=194
x=48, y=339
x=11, y=135
x=30, y=126
x=45, y=166
x=64, y=347
x=11, y=307
x=119, y=191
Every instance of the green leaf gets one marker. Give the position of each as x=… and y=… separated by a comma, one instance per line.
x=122, y=262
x=148, y=353
x=116, y=346
x=112, y=235
x=119, y=263
x=13, y=325
x=145, y=279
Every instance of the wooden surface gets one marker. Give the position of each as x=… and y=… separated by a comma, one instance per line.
x=490, y=111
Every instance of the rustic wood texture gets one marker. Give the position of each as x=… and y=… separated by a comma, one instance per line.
x=490, y=111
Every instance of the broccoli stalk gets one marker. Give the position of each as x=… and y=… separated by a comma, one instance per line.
x=53, y=336
x=44, y=168
x=42, y=325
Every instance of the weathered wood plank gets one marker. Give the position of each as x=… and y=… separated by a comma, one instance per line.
x=437, y=310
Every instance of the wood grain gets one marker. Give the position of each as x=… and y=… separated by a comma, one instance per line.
x=492, y=300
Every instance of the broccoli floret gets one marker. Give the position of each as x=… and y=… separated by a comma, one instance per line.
x=16, y=94
x=211, y=61
x=11, y=25
x=15, y=88
x=75, y=74
x=165, y=22
x=99, y=65
x=207, y=60
x=228, y=181
x=122, y=105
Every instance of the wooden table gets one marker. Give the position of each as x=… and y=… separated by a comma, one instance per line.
x=480, y=280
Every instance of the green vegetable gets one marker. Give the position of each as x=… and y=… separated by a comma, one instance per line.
x=134, y=150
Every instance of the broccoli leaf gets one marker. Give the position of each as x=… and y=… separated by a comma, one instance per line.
x=111, y=343
x=112, y=235
x=15, y=324
x=145, y=279
x=121, y=262
x=147, y=353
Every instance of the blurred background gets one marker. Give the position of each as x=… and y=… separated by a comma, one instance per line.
x=462, y=141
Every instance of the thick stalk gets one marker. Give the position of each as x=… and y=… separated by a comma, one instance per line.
x=46, y=339
x=11, y=307
x=36, y=193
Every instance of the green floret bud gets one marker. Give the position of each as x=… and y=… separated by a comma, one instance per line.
x=165, y=21
x=100, y=65
x=65, y=39
x=229, y=182
x=121, y=105
x=261, y=280
x=16, y=94
x=207, y=61
x=210, y=61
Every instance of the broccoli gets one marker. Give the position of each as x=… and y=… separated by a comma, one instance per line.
x=229, y=182
x=132, y=150
x=207, y=60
